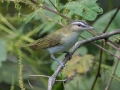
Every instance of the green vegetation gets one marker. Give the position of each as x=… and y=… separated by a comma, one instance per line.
x=23, y=21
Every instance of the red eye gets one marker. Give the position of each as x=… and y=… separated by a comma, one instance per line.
x=79, y=25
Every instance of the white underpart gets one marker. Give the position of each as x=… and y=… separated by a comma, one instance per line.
x=66, y=46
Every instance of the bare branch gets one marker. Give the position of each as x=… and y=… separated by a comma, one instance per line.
x=113, y=73
x=111, y=20
x=53, y=5
x=99, y=65
x=113, y=45
x=105, y=50
x=52, y=79
x=101, y=52
x=103, y=36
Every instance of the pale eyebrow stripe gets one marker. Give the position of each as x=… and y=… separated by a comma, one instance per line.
x=80, y=21
x=83, y=24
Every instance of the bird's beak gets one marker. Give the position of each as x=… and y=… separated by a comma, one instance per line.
x=91, y=28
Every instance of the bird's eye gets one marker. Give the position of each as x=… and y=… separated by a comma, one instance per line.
x=79, y=25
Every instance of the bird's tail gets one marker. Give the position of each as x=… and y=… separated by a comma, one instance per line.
x=26, y=45
x=31, y=45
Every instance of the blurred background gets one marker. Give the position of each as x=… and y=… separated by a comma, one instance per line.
x=24, y=26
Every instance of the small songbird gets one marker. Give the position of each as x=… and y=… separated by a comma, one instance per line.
x=61, y=40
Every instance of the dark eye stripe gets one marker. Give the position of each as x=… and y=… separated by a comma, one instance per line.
x=79, y=25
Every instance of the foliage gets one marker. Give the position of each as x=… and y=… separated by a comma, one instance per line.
x=87, y=9
x=82, y=64
x=100, y=23
x=3, y=51
x=35, y=22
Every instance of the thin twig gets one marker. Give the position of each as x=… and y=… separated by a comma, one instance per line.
x=35, y=76
x=52, y=79
x=106, y=51
x=64, y=85
x=53, y=5
x=51, y=19
x=97, y=75
x=113, y=73
x=99, y=67
x=111, y=19
x=102, y=48
x=113, y=45
x=49, y=9
x=46, y=8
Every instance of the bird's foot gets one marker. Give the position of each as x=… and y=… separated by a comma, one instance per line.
x=52, y=56
x=69, y=54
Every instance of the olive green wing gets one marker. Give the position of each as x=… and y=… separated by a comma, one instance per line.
x=48, y=41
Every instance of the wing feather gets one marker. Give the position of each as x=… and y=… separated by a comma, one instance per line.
x=48, y=41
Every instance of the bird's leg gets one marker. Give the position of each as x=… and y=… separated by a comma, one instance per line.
x=53, y=57
x=69, y=54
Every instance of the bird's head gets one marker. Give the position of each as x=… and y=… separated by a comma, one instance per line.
x=79, y=26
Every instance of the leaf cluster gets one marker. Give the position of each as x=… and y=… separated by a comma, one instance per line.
x=37, y=18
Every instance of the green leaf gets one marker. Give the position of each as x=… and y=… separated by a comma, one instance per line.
x=6, y=72
x=48, y=28
x=80, y=83
x=88, y=9
x=3, y=51
x=118, y=67
x=49, y=3
x=82, y=50
x=105, y=77
x=82, y=64
x=30, y=16
x=101, y=23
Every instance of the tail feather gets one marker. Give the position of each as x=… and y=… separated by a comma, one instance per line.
x=34, y=46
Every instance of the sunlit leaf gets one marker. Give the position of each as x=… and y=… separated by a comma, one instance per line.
x=78, y=64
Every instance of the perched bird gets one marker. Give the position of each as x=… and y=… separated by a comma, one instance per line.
x=61, y=40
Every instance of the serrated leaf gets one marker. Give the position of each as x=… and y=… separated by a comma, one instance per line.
x=3, y=51
x=88, y=9
x=78, y=64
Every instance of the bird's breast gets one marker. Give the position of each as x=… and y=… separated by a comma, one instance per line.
x=68, y=42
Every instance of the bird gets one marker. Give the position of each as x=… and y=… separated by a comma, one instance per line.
x=61, y=40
